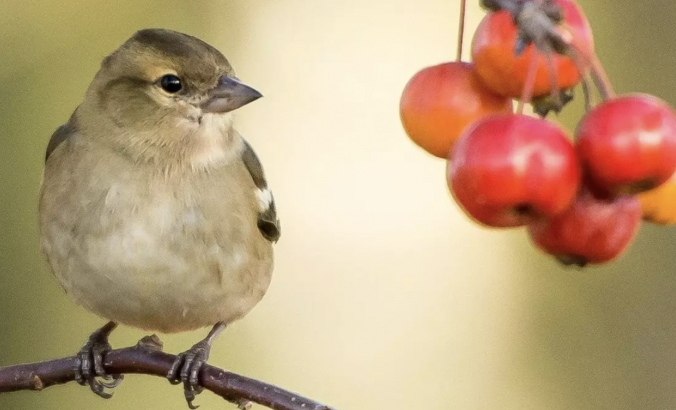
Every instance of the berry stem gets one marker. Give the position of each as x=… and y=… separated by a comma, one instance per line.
x=601, y=79
x=585, y=92
x=461, y=29
x=584, y=74
x=527, y=94
x=596, y=70
x=554, y=91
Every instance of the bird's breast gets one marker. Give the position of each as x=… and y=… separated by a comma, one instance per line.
x=155, y=252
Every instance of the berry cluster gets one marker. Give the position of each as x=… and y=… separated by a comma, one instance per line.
x=582, y=199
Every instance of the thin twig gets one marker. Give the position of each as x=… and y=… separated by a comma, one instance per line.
x=140, y=360
x=461, y=29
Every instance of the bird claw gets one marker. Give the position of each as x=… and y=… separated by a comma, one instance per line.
x=186, y=368
x=89, y=364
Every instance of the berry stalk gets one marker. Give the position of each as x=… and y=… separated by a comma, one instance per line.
x=530, y=82
x=461, y=29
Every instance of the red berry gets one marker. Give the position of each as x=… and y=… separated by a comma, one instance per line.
x=440, y=101
x=628, y=144
x=507, y=170
x=494, y=58
x=592, y=230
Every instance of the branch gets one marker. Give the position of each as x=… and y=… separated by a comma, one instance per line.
x=144, y=359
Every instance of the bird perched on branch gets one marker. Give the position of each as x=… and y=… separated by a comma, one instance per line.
x=154, y=211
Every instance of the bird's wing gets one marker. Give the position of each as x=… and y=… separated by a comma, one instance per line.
x=268, y=223
x=60, y=135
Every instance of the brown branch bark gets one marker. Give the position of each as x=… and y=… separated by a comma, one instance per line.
x=144, y=360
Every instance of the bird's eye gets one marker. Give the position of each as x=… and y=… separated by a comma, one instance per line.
x=171, y=84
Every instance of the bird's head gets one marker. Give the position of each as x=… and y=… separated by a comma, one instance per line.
x=163, y=92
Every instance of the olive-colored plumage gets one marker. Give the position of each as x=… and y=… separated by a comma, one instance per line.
x=154, y=212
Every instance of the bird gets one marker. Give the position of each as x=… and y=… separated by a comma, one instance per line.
x=154, y=212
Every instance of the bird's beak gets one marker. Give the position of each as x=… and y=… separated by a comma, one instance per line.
x=229, y=95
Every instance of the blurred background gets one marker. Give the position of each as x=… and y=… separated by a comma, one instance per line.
x=384, y=295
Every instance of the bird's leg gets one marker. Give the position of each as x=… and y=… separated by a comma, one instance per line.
x=187, y=365
x=89, y=362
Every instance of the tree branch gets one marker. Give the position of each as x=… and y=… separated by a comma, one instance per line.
x=147, y=359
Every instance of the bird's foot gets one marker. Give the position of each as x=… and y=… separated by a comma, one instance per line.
x=89, y=363
x=187, y=366
x=186, y=369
